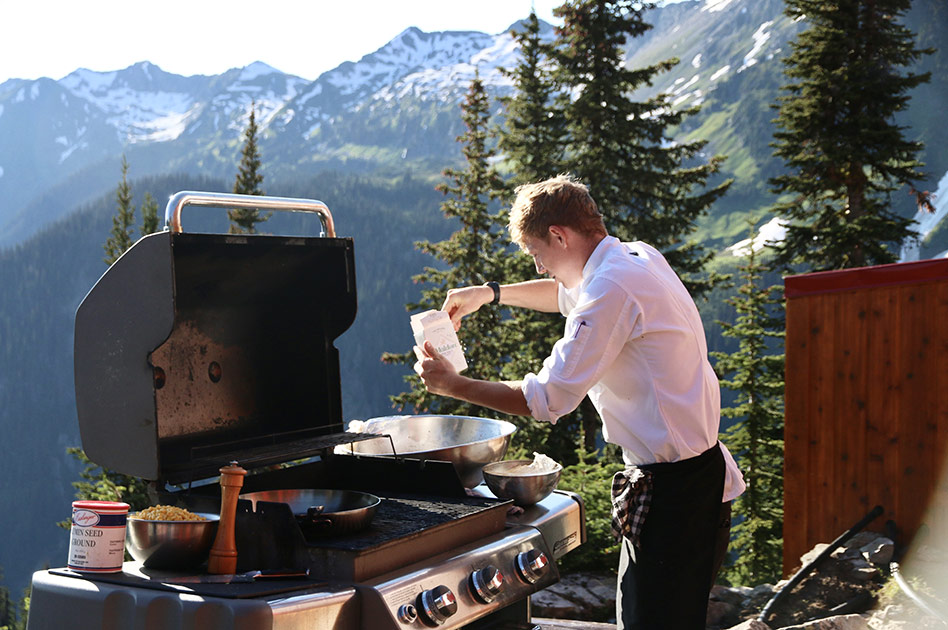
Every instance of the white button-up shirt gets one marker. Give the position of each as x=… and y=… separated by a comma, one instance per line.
x=635, y=343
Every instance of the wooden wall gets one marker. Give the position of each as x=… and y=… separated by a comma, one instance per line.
x=866, y=401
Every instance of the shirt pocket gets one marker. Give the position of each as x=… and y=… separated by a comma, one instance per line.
x=578, y=332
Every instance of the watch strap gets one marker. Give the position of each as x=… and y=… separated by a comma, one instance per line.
x=496, y=288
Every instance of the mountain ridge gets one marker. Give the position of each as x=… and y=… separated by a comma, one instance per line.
x=138, y=108
x=395, y=111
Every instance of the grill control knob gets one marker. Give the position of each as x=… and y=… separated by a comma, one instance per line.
x=407, y=613
x=487, y=583
x=436, y=605
x=531, y=565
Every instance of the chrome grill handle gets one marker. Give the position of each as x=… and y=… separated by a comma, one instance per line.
x=179, y=200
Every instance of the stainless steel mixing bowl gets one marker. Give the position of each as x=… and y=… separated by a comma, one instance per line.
x=513, y=479
x=465, y=441
x=171, y=544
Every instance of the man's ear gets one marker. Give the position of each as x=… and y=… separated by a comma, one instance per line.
x=559, y=235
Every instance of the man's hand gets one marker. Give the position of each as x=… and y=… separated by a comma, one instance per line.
x=440, y=378
x=464, y=301
x=436, y=372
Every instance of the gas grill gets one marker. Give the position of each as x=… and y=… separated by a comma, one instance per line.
x=194, y=351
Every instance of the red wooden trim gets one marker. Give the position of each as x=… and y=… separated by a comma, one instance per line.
x=866, y=277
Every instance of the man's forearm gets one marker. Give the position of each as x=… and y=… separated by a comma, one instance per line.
x=503, y=396
x=539, y=295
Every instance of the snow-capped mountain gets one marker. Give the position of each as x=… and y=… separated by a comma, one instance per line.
x=395, y=111
x=79, y=126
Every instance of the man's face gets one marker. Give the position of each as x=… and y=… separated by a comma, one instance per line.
x=544, y=254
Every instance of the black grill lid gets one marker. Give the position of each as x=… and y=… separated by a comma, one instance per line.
x=195, y=349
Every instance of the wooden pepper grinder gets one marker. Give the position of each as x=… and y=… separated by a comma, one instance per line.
x=223, y=556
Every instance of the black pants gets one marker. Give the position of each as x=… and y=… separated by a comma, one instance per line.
x=665, y=582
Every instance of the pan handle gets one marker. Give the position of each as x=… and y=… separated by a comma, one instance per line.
x=232, y=200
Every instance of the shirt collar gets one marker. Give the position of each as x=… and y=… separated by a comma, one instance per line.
x=598, y=255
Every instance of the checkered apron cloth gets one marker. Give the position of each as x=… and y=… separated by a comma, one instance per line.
x=631, y=497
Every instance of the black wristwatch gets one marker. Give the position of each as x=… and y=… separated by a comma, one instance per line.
x=496, y=288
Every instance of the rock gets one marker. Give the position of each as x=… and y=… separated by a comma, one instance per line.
x=862, y=539
x=603, y=588
x=730, y=595
x=758, y=596
x=879, y=551
x=811, y=555
x=841, y=622
x=846, y=553
x=576, y=596
x=751, y=624
x=858, y=569
x=549, y=604
x=721, y=614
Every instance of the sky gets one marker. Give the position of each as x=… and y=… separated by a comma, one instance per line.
x=51, y=38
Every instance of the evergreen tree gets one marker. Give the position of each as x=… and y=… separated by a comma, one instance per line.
x=838, y=137
x=591, y=478
x=249, y=178
x=533, y=138
x=620, y=148
x=101, y=484
x=120, y=237
x=468, y=257
x=13, y=616
x=149, y=215
x=532, y=141
x=756, y=372
x=648, y=186
x=7, y=607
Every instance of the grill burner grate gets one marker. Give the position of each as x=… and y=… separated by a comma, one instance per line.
x=399, y=517
x=405, y=529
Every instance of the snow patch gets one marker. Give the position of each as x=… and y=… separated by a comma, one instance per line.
x=713, y=6
x=720, y=73
x=696, y=62
x=697, y=95
x=69, y=151
x=774, y=231
x=760, y=39
x=83, y=82
x=164, y=128
x=678, y=90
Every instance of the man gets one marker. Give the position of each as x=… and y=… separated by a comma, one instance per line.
x=633, y=343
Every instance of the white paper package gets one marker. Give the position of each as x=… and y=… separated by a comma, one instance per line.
x=436, y=327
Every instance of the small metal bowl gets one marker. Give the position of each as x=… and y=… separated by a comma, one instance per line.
x=512, y=479
x=171, y=544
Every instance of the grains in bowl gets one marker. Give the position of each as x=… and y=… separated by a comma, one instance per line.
x=166, y=513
